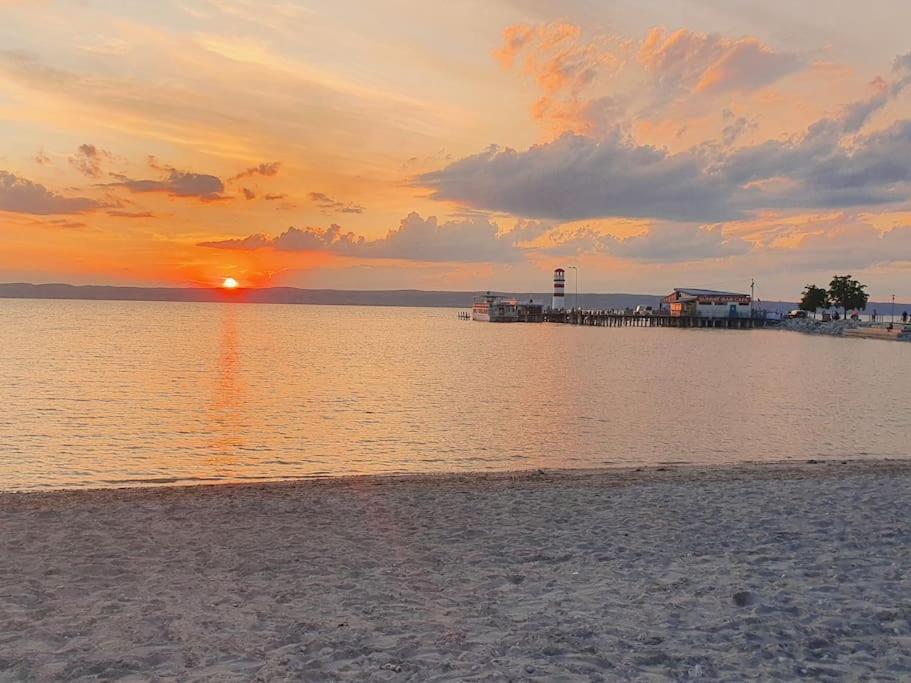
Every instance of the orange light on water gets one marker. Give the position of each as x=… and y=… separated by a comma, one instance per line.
x=229, y=283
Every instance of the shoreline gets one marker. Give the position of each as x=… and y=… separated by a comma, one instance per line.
x=620, y=475
x=770, y=571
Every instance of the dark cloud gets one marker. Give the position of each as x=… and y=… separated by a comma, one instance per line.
x=415, y=239
x=88, y=160
x=330, y=205
x=248, y=193
x=269, y=168
x=274, y=197
x=576, y=177
x=295, y=239
x=19, y=195
x=816, y=171
x=177, y=183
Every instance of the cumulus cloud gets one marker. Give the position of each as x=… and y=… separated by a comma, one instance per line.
x=268, y=168
x=88, y=160
x=330, y=205
x=575, y=177
x=20, y=195
x=415, y=239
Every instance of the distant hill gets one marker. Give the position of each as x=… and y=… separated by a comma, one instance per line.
x=293, y=295
x=346, y=297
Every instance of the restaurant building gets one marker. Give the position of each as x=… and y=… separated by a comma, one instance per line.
x=707, y=303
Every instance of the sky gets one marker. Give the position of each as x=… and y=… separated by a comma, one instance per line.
x=463, y=145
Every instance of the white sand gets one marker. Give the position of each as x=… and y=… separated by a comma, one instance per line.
x=557, y=577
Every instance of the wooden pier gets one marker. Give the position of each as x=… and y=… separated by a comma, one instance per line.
x=610, y=319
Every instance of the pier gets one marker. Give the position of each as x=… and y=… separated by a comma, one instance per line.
x=614, y=319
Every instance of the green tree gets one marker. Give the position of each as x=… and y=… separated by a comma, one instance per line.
x=814, y=298
x=848, y=293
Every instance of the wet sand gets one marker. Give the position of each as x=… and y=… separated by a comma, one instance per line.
x=748, y=572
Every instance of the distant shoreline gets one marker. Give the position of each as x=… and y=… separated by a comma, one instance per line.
x=337, y=297
x=295, y=295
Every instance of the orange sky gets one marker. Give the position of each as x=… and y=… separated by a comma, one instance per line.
x=668, y=144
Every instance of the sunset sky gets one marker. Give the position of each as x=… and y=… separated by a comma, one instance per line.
x=459, y=145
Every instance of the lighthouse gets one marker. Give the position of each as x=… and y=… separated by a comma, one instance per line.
x=559, y=283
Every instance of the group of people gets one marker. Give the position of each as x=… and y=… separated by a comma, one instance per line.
x=873, y=316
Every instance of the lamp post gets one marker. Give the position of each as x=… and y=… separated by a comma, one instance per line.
x=575, y=270
x=893, y=309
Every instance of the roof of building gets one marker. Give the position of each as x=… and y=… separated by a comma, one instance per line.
x=706, y=292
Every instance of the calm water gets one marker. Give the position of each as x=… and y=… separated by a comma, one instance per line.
x=124, y=393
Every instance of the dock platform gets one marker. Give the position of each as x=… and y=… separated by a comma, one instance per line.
x=609, y=319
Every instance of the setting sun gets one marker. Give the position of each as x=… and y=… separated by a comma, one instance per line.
x=229, y=283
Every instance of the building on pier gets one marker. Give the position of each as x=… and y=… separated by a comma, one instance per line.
x=707, y=303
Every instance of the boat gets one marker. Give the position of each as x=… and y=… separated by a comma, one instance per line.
x=491, y=308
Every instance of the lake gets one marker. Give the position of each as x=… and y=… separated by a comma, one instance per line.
x=102, y=393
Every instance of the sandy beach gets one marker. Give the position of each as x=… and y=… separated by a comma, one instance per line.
x=750, y=572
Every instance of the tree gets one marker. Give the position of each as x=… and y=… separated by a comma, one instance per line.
x=847, y=293
x=814, y=298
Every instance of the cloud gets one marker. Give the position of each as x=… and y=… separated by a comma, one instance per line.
x=176, y=183
x=576, y=177
x=88, y=160
x=269, y=168
x=662, y=243
x=274, y=197
x=856, y=114
x=564, y=66
x=735, y=127
x=20, y=195
x=594, y=85
x=248, y=193
x=41, y=158
x=677, y=243
x=853, y=245
x=415, y=239
x=818, y=171
x=686, y=60
x=330, y=205
x=295, y=239
x=131, y=214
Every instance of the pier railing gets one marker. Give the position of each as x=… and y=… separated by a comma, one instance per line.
x=615, y=319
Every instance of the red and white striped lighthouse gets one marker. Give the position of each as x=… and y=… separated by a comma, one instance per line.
x=559, y=283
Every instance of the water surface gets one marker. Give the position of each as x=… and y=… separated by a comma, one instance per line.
x=101, y=393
